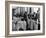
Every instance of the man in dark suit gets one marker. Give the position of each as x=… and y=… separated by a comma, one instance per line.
x=25, y=18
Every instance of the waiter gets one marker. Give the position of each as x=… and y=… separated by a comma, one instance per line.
x=25, y=18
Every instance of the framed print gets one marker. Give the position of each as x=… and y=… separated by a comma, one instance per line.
x=24, y=18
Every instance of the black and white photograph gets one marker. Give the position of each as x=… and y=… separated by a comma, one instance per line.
x=25, y=18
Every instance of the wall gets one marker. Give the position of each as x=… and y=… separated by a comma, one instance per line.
x=2, y=19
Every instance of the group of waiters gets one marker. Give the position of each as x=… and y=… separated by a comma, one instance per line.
x=32, y=17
